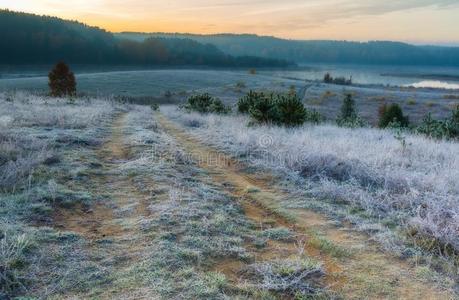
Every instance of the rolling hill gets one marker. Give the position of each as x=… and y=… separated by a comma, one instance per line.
x=34, y=39
x=373, y=52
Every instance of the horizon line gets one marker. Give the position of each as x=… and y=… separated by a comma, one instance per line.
x=451, y=44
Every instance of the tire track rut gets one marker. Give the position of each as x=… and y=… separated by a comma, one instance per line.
x=367, y=273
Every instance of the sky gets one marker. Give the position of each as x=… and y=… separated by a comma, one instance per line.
x=415, y=21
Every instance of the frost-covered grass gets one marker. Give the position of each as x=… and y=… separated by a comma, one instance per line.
x=41, y=140
x=32, y=126
x=230, y=85
x=20, y=109
x=293, y=276
x=19, y=155
x=409, y=183
x=195, y=226
x=178, y=226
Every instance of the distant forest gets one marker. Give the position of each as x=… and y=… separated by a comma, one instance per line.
x=32, y=39
x=376, y=52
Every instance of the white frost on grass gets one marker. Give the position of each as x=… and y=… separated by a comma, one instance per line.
x=414, y=186
x=30, y=125
x=22, y=109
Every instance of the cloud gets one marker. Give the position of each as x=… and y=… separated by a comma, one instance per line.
x=326, y=9
x=298, y=18
x=377, y=7
x=338, y=9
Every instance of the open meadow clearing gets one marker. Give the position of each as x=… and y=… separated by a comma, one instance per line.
x=108, y=200
x=198, y=149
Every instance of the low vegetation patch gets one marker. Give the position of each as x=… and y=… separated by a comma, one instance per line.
x=13, y=260
x=198, y=228
x=349, y=116
x=204, y=103
x=278, y=234
x=284, y=110
x=440, y=129
x=371, y=169
x=62, y=81
x=392, y=116
x=337, y=80
x=451, y=97
x=42, y=142
x=297, y=277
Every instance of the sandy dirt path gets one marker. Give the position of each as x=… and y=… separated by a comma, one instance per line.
x=355, y=268
x=111, y=227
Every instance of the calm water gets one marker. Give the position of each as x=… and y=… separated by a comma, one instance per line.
x=419, y=76
x=120, y=81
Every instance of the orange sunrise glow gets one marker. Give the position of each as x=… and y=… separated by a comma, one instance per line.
x=299, y=19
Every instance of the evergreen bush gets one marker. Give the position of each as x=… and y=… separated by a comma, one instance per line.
x=349, y=116
x=264, y=110
x=291, y=111
x=62, y=81
x=244, y=103
x=284, y=110
x=440, y=129
x=204, y=103
x=392, y=114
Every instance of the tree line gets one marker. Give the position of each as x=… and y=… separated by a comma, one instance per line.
x=317, y=51
x=32, y=39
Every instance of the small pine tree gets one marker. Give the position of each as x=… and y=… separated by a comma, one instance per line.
x=244, y=103
x=218, y=107
x=455, y=122
x=382, y=110
x=348, y=110
x=62, y=81
x=392, y=114
x=455, y=116
x=154, y=107
x=437, y=129
x=199, y=103
x=264, y=110
x=204, y=103
x=349, y=116
x=291, y=111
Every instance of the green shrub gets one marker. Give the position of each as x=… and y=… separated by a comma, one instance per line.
x=199, y=103
x=455, y=116
x=313, y=116
x=437, y=129
x=290, y=110
x=264, y=110
x=218, y=107
x=392, y=114
x=13, y=261
x=244, y=103
x=440, y=129
x=285, y=110
x=154, y=107
x=349, y=116
x=348, y=110
x=204, y=103
x=455, y=122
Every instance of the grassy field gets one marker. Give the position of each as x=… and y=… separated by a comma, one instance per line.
x=174, y=86
x=406, y=182
x=105, y=200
